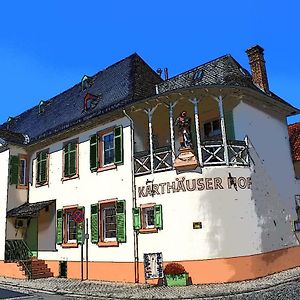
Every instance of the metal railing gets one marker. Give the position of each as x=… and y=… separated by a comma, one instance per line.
x=162, y=161
x=18, y=251
x=212, y=155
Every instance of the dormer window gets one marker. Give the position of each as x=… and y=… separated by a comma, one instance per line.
x=86, y=82
x=198, y=74
x=41, y=107
x=91, y=101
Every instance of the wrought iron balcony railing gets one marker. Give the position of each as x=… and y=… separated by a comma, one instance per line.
x=162, y=161
x=212, y=155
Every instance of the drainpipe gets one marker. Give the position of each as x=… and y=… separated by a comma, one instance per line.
x=136, y=240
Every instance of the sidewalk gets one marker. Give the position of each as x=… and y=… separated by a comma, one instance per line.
x=110, y=290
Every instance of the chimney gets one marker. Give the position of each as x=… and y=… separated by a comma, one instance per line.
x=258, y=67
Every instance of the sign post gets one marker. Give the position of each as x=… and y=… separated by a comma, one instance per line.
x=78, y=217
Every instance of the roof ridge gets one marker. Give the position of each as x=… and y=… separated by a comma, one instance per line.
x=190, y=70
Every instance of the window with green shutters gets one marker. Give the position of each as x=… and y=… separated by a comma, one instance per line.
x=106, y=149
x=108, y=222
x=70, y=159
x=68, y=231
x=148, y=218
x=42, y=167
x=13, y=169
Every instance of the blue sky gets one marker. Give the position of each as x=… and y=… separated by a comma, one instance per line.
x=47, y=46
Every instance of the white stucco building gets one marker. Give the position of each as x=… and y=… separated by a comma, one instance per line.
x=108, y=151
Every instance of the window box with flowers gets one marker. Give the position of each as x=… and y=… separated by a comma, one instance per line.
x=175, y=275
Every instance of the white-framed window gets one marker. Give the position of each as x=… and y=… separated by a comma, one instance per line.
x=212, y=129
x=148, y=217
x=109, y=223
x=71, y=229
x=108, y=148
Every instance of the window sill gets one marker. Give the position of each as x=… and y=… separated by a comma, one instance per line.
x=105, y=168
x=148, y=230
x=70, y=178
x=69, y=245
x=22, y=187
x=108, y=244
x=41, y=184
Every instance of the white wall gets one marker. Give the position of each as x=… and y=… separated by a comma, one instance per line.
x=270, y=140
x=4, y=159
x=88, y=189
x=235, y=223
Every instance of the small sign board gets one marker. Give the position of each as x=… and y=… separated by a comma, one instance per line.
x=153, y=265
x=78, y=216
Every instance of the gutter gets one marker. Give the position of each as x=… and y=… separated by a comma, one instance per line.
x=135, y=238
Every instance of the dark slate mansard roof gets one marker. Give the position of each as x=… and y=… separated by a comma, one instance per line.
x=223, y=71
x=124, y=82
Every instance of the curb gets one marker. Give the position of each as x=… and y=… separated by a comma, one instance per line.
x=209, y=294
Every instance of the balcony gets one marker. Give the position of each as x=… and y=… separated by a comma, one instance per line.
x=213, y=154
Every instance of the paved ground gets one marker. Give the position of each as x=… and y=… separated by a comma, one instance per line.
x=284, y=285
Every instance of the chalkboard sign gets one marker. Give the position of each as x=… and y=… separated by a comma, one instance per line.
x=153, y=265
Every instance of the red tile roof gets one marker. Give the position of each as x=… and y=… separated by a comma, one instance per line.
x=294, y=133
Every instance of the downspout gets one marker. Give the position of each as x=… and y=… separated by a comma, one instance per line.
x=135, y=239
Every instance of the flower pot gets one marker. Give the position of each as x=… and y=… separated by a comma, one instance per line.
x=177, y=280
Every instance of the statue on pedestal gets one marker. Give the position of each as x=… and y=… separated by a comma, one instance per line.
x=186, y=160
x=183, y=122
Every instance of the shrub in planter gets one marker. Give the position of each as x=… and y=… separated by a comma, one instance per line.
x=175, y=275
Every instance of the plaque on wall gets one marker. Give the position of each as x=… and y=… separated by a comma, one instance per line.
x=153, y=265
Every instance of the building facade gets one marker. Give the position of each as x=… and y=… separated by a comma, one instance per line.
x=110, y=158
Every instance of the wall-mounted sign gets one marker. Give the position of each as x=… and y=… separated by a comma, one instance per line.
x=200, y=184
x=153, y=265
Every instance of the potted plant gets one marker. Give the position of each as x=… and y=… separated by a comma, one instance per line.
x=175, y=275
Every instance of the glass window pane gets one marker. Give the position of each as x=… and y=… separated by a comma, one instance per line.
x=109, y=223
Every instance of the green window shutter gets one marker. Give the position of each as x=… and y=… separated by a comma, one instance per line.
x=137, y=224
x=70, y=159
x=67, y=161
x=42, y=167
x=59, y=226
x=229, y=126
x=14, y=169
x=118, y=136
x=94, y=223
x=43, y=171
x=80, y=228
x=93, y=153
x=121, y=221
x=158, y=216
x=73, y=162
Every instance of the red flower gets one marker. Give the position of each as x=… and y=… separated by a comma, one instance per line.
x=174, y=269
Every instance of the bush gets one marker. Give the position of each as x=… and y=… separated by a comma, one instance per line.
x=174, y=269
